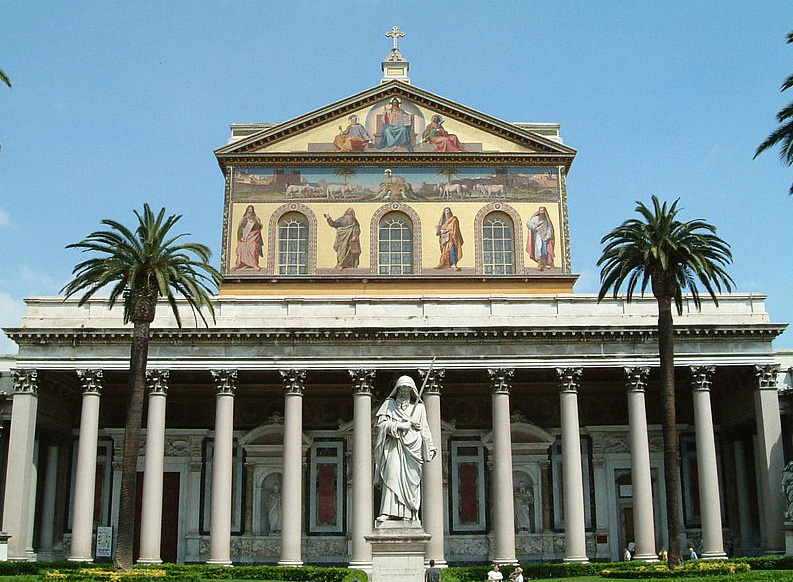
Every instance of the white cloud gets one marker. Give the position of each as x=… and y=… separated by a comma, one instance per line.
x=41, y=282
x=5, y=219
x=11, y=312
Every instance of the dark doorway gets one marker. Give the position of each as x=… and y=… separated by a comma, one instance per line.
x=169, y=541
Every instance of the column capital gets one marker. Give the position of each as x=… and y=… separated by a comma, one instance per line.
x=157, y=381
x=766, y=376
x=544, y=463
x=500, y=379
x=225, y=381
x=636, y=378
x=569, y=379
x=434, y=379
x=90, y=381
x=25, y=381
x=294, y=381
x=701, y=377
x=362, y=381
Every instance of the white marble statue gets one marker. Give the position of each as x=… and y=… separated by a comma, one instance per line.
x=524, y=505
x=274, y=509
x=787, y=490
x=403, y=445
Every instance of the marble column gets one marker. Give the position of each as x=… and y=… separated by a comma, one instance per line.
x=222, y=468
x=292, y=495
x=710, y=494
x=772, y=461
x=47, y=520
x=502, y=492
x=432, y=477
x=85, y=474
x=151, y=507
x=19, y=493
x=641, y=477
x=742, y=491
x=572, y=476
x=362, y=497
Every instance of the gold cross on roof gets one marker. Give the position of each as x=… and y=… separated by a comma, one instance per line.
x=395, y=34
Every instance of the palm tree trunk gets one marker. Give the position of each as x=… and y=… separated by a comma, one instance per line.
x=136, y=387
x=666, y=353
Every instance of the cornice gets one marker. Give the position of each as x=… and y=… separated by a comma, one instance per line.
x=321, y=335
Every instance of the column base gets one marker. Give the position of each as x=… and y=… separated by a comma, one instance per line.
x=643, y=558
x=713, y=556
x=503, y=561
x=365, y=566
x=293, y=563
x=579, y=559
x=80, y=559
x=438, y=564
x=213, y=562
x=149, y=561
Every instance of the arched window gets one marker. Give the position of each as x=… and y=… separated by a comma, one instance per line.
x=395, y=240
x=292, y=244
x=498, y=244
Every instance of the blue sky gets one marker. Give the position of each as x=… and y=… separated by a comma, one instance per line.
x=119, y=103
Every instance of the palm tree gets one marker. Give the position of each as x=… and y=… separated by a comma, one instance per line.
x=671, y=256
x=449, y=173
x=783, y=135
x=345, y=172
x=141, y=266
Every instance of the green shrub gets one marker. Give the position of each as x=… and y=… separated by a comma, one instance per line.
x=287, y=574
x=108, y=575
x=698, y=569
x=23, y=568
x=767, y=562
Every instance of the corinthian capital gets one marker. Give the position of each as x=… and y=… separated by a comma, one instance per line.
x=26, y=381
x=701, y=377
x=434, y=380
x=157, y=381
x=225, y=381
x=294, y=381
x=501, y=380
x=362, y=381
x=766, y=375
x=569, y=379
x=90, y=381
x=636, y=378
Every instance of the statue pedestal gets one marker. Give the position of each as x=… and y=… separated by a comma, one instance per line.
x=398, y=551
x=788, y=527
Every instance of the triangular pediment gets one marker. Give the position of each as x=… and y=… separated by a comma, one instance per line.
x=395, y=118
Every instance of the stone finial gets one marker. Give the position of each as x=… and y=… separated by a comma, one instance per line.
x=225, y=381
x=90, y=381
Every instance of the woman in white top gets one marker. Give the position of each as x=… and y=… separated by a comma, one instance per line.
x=495, y=574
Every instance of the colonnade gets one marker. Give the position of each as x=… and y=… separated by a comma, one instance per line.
x=20, y=480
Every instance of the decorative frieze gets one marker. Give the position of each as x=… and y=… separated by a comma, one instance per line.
x=157, y=381
x=225, y=381
x=636, y=378
x=434, y=380
x=294, y=381
x=701, y=377
x=362, y=381
x=569, y=379
x=500, y=379
x=90, y=381
x=25, y=381
x=766, y=375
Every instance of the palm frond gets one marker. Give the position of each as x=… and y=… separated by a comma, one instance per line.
x=146, y=259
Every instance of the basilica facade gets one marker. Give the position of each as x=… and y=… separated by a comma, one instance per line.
x=394, y=232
